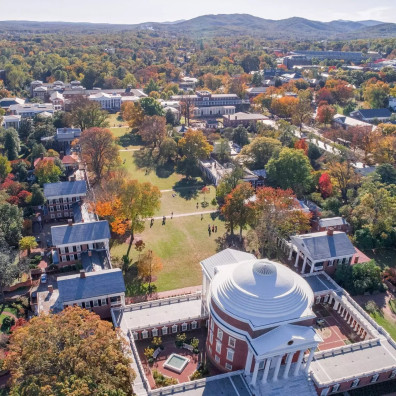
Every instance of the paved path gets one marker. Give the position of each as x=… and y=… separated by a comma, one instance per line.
x=129, y=149
x=168, y=217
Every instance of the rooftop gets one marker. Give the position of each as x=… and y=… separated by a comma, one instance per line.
x=332, y=221
x=80, y=233
x=245, y=117
x=59, y=189
x=322, y=246
x=95, y=284
x=374, y=113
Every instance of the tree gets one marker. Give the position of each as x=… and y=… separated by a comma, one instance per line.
x=237, y=210
x=291, y=169
x=228, y=183
x=376, y=94
x=99, y=151
x=132, y=113
x=340, y=90
x=37, y=196
x=151, y=107
x=284, y=107
x=301, y=144
x=5, y=167
x=170, y=118
x=240, y=136
x=87, y=114
x=148, y=266
x=11, y=220
x=100, y=367
x=343, y=177
x=260, y=150
x=12, y=144
x=277, y=216
x=325, y=185
x=151, y=86
x=187, y=108
x=194, y=146
x=325, y=114
x=387, y=173
x=167, y=151
x=153, y=130
x=302, y=111
x=47, y=171
x=28, y=243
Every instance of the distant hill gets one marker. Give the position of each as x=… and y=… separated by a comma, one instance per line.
x=226, y=25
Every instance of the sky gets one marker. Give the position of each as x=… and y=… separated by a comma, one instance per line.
x=137, y=11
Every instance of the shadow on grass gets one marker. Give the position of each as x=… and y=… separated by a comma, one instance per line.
x=228, y=241
x=136, y=286
x=129, y=139
x=144, y=159
x=164, y=171
x=188, y=188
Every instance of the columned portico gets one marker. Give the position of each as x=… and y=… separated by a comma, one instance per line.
x=266, y=370
x=299, y=362
x=277, y=367
x=249, y=360
x=288, y=364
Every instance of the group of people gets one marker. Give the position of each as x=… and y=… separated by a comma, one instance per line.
x=211, y=229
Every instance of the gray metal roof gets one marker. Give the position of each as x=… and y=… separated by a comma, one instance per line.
x=80, y=233
x=332, y=221
x=95, y=284
x=319, y=283
x=225, y=257
x=375, y=113
x=322, y=246
x=78, y=187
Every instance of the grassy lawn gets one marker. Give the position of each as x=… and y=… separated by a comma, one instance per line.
x=117, y=132
x=383, y=257
x=388, y=325
x=115, y=120
x=181, y=244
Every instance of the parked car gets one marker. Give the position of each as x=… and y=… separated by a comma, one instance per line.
x=43, y=278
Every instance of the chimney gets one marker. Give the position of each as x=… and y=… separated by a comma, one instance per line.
x=61, y=155
x=69, y=222
x=330, y=231
x=82, y=274
x=42, y=156
x=50, y=289
x=356, y=260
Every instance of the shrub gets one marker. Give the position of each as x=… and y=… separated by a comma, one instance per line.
x=157, y=341
x=204, y=204
x=195, y=375
x=214, y=202
x=371, y=307
x=194, y=343
x=161, y=380
x=148, y=352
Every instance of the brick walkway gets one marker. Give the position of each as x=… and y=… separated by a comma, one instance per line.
x=165, y=294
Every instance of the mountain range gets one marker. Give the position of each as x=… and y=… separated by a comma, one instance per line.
x=226, y=25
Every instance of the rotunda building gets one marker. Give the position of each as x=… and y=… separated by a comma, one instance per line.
x=259, y=316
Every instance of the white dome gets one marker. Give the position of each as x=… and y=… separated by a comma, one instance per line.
x=262, y=292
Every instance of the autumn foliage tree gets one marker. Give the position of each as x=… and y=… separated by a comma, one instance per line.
x=99, y=151
x=325, y=114
x=132, y=113
x=47, y=172
x=301, y=144
x=153, y=130
x=148, y=266
x=325, y=186
x=70, y=353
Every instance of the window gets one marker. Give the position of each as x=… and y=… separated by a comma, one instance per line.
x=103, y=301
x=59, y=214
x=52, y=216
x=228, y=366
x=230, y=354
x=144, y=334
x=87, y=304
x=335, y=388
x=155, y=332
x=66, y=214
x=164, y=330
x=211, y=337
x=65, y=207
x=58, y=207
x=217, y=359
x=355, y=383
x=218, y=346
x=78, y=248
x=184, y=326
x=51, y=208
x=231, y=342
x=194, y=325
x=174, y=329
x=135, y=335
x=64, y=258
x=220, y=334
x=211, y=324
x=374, y=378
x=96, y=303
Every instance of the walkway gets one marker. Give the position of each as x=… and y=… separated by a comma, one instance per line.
x=184, y=215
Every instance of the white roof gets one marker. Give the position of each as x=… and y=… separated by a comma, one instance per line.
x=283, y=338
x=262, y=293
x=100, y=95
x=332, y=221
x=56, y=95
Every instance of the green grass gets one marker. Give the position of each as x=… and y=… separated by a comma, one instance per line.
x=388, y=325
x=163, y=183
x=115, y=119
x=181, y=244
x=384, y=257
x=118, y=132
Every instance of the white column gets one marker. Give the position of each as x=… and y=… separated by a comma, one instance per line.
x=248, y=364
x=312, y=267
x=336, y=305
x=255, y=372
x=330, y=299
x=288, y=363
x=291, y=253
x=297, y=258
x=266, y=370
x=277, y=367
x=303, y=267
x=298, y=364
x=310, y=357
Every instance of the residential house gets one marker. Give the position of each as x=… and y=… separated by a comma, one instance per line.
x=349, y=122
x=244, y=119
x=5, y=103
x=62, y=197
x=370, y=115
x=97, y=291
x=255, y=91
x=322, y=251
x=67, y=161
x=64, y=138
x=337, y=223
x=71, y=240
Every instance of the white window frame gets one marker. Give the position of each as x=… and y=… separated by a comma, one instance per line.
x=184, y=327
x=87, y=303
x=144, y=334
x=51, y=208
x=231, y=342
x=66, y=214
x=218, y=346
x=220, y=334
x=154, y=332
x=335, y=388
x=164, y=330
x=194, y=325
x=217, y=359
x=64, y=258
x=52, y=216
x=374, y=378
x=174, y=328
x=228, y=366
x=211, y=324
x=355, y=383
x=59, y=214
x=230, y=354
x=103, y=301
